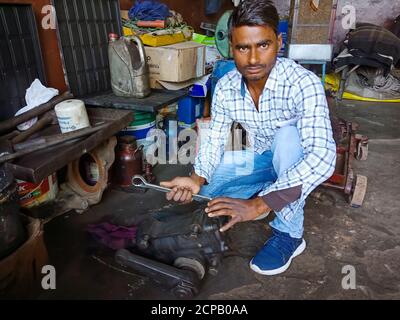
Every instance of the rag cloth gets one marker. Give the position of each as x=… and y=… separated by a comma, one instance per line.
x=112, y=236
x=36, y=95
x=149, y=10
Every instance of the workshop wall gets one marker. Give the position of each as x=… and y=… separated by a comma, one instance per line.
x=373, y=11
x=194, y=11
x=309, y=26
x=49, y=45
x=283, y=7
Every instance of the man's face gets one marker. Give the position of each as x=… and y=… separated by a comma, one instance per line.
x=255, y=49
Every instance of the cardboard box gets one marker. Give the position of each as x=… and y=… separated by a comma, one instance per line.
x=177, y=62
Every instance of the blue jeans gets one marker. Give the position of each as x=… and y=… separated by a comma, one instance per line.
x=243, y=174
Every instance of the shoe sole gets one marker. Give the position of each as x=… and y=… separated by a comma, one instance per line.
x=273, y=272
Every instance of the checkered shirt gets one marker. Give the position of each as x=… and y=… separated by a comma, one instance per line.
x=292, y=95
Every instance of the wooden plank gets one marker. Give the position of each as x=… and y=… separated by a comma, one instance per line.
x=309, y=26
x=312, y=35
x=39, y=165
x=309, y=16
x=158, y=99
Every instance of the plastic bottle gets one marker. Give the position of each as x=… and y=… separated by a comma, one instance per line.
x=128, y=67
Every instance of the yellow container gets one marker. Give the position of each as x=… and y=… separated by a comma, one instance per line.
x=127, y=31
x=162, y=40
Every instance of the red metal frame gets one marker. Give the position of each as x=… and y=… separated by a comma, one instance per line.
x=346, y=153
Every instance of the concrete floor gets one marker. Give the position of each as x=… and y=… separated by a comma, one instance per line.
x=337, y=235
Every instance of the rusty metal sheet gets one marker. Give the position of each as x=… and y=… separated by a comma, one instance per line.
x=39, y=165
x=158, y=99
x=82, y=28
x=20, y=56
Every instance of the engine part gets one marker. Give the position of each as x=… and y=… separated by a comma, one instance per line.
x=183, y=284
x=177, y=250
x=103, y=156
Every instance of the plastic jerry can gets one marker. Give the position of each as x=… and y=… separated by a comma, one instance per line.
x=128, y=67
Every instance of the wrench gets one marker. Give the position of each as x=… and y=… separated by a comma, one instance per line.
x=144, y=184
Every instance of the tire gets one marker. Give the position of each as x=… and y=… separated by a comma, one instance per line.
x=192, y=265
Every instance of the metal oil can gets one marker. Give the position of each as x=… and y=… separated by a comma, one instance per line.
x=129, y=70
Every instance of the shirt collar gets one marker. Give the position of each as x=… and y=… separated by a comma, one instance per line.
x=272, y=81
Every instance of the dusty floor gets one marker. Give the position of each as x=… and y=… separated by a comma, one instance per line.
x=337, y=235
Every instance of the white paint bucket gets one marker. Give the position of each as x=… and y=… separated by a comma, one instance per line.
x=71, y=115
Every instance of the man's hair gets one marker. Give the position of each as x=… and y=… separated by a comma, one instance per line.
x=254, y=13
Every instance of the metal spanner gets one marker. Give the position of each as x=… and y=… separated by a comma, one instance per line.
x=140, y=182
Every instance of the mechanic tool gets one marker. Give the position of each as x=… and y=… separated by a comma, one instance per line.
x=140, y=182
x=177, y=251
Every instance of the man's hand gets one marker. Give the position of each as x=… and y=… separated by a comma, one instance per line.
x=239, y=210
x=183, y=187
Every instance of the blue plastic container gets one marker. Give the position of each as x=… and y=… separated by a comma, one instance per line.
x=283, y=28
x=190, y=109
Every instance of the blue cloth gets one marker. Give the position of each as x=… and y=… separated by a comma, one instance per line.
x=149, y=10
x=244, y=173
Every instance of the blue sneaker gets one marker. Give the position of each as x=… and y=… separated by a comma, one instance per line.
x=277, y=254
